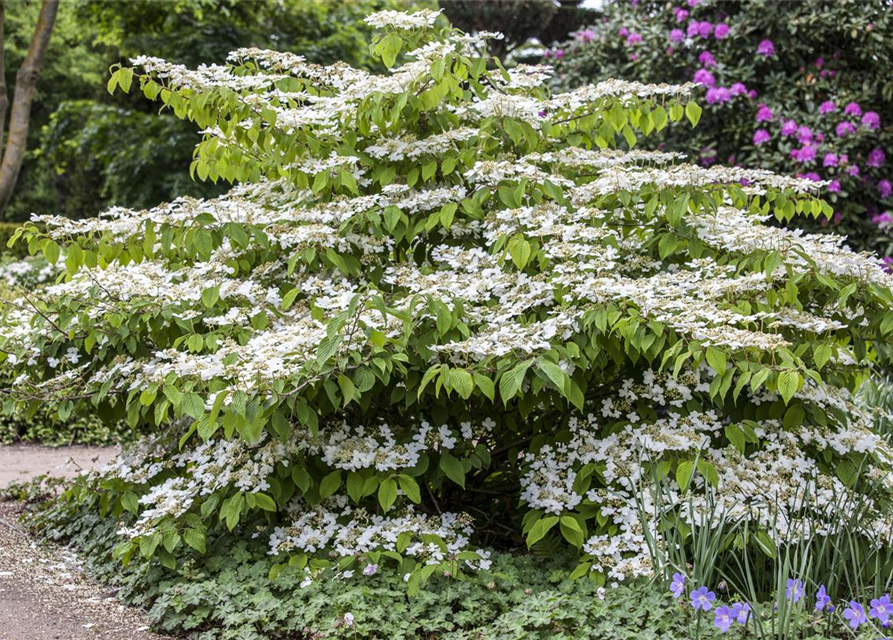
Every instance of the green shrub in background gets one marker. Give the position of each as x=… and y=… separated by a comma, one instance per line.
x=17, y=250
x=795, y=87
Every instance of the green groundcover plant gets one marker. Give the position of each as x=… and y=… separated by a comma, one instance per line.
x=444, y=312
x=796, y=87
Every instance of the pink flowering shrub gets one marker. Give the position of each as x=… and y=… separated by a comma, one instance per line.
x=799, y=88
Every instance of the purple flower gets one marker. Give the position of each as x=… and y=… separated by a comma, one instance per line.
x=881, y=608
x=804, y=134
x=718, y=94
x=884, y=188
x=677, y=586
x=834, y=187
x=830, y=160
x=760, y=136
x=738, y=89
x=586, y=35
x=623, y=32
x=692, y=29
x=876, y=158
x=806, y=154
x=871, y=120
x=721, y=31
x=764, y=113
x=559, y=54
x=883, y=220
x=794, y=590
x=853, y=170
x=819, y=63
x=707, y=60
x=845, y=128
x=766, y=49
x=705, y=78
x=370, y=569
x=822, y=599
x=852, y=109
x=752, y=94
x=741, y=612
x=855, y=613
x=634, y=56
x=634, y=38
x=723, y=619
x=827, y=107
x=705, y=29
x=789, y=128
x=812, y=175
x=676, y=35
x=703, y=599
x=694, y=3
x=681, y=14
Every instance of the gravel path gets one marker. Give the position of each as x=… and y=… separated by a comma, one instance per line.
x=22, y=462
x=44, y=594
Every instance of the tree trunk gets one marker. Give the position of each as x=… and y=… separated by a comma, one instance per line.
x=4, y=97
x=26, y=83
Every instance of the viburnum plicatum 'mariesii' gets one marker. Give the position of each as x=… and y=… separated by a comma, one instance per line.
x=444, y=310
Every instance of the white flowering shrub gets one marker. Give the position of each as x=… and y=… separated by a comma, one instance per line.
x=443, y=310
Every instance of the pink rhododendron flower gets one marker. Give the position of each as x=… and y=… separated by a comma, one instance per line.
x=853, y=170
x=623, y=32
x=681, y=14
x=827, y=106
x=806, y=154
x=804, y=134
x=834, y=186
x=705, y=78
x=718, y=95
x=812, y=175
x=819, y=63
x=676, y=35
x=707, y=60
x=559, y=54
x=884, y=188
x=738, y=89
x=830, y=160
x=634, y=38
x=876, y=158
x=760, y=136
x=766, y=48
x=752, y=94
x=789, y=128
x=871, y=120
x=844, y=129
x=586, y=35
x=852, y=109
x=764, y=113
x=705, y=29
x=721, y=31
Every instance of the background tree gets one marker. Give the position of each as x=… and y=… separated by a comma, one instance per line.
x=518, y=20
x=23, y=94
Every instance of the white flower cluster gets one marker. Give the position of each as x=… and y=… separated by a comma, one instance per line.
x=401, y=20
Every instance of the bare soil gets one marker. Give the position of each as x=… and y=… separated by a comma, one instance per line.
x=19, y=463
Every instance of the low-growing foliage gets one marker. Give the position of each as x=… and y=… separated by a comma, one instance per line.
x=444, y=312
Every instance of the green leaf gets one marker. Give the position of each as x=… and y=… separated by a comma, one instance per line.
x=192, y=405
x=716, y=359
x=788, y=384
x=264, y=501
x=693, y=112
x=462, y=382
x=555, y=373
x=210, y=296
x=410, y=487
x=539, y=530
x=195, y=539
x=329, y=484
x=387, y=493
x=684, y=472
x=452, y=468
x=510, y=382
